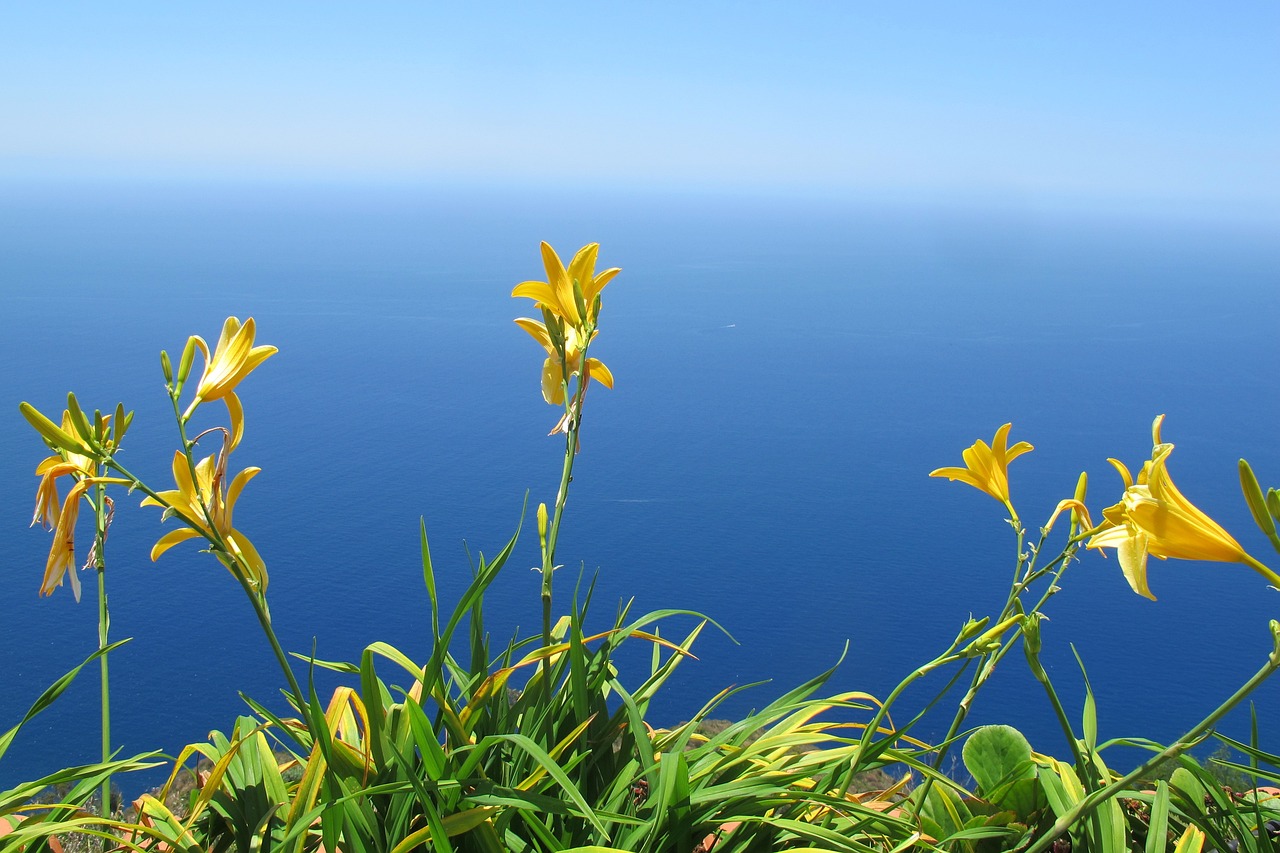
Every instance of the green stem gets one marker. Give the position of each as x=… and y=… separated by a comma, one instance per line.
x=104, y=626
x=1272, y=577
x=983, y=670
x=574, y=424
x=1181, y=745
x=260, y=609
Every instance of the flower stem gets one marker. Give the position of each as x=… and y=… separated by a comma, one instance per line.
x=1181, y=745
x=1272, y=577
x=553, y=532
x=104, y=627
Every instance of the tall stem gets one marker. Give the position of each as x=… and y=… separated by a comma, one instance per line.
x=104, y=626
x=553, y=533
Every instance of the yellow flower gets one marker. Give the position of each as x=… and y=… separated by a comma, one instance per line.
x=62, y=555
x=556, y=293
x=58, y=465
x=234, y=358
x=987, y=468
x=1154, y=518
x=203, y=503
x=553, y=372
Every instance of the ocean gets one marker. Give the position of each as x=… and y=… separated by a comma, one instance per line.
x=788, y=371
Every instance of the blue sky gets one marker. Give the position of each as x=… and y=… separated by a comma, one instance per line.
x=1154, y=102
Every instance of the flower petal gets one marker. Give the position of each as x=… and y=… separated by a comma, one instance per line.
x=173, y=537
x=235, y=413
x=552, y=382
x=597, y=371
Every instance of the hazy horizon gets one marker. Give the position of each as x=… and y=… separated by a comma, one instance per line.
x=1086, y=105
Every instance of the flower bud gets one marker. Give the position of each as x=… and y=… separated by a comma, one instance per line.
x=79, y=422
x=542, y=525
x=990, y=640
x=119, y=424
x=973, y=627
x=579, y=301
x=1082, y=486
x=1031, y=633
x=166, y=367
x=1257, y=503
x=53, y=434
x=188, y=356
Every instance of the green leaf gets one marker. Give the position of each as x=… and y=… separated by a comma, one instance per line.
x=996, y=756
x=1158, y=828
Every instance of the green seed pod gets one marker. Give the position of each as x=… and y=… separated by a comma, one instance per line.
x=1257, y=503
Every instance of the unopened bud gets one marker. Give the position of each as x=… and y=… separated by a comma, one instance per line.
x=78, y=421
x=579, y=301
x=1082, y=486
x=991, y=639
x=119, y=424
x=188, y=356
x=1031, y=633
x=166, y=367
x=973, y=627
x=51, y=432
x=1254, y=498
x=542, y=525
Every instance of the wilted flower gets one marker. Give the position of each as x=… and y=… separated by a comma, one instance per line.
x=987, y=468
x=62, y=554
x=234, y=358
x=1154, y=517
x=207, y=503
x=557, y=292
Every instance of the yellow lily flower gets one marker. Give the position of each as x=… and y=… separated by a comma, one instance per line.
x=1154, y=518
x=234, y=358
x=556, y=293
x=53, y=467
x=553, y=370
x=987, y=468
x=62, y=555
x=205, y=506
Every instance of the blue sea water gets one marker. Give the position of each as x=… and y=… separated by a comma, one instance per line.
x=788, y=372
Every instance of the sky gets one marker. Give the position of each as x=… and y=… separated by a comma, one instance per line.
x=1155, y=102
